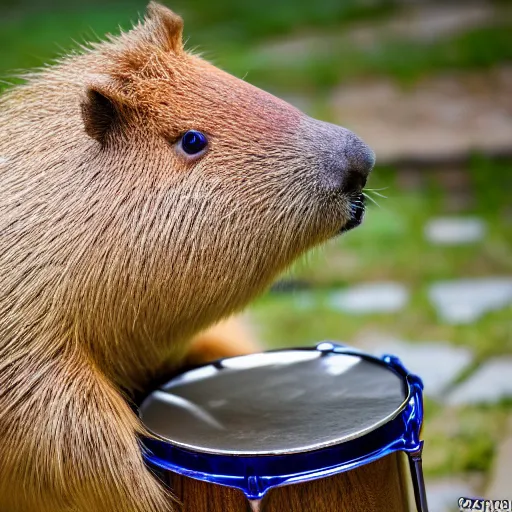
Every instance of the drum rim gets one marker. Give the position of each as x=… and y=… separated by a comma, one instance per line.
x=389, y=362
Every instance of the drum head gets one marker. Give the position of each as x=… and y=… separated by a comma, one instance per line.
x=283, y=402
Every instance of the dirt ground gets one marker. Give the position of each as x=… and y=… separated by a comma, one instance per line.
x=441, y=116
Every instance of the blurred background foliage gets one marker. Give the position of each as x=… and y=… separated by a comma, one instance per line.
x=306, y=51
x=230, y=32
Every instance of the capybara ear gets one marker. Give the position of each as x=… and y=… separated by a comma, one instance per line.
x=164, y=28
x=102, y=107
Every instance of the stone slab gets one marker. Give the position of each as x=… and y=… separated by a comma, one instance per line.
x=440, y=117
x=437, y=363
x=491, y=383
x=465, y=301
x=443, y=495
x=500, y=484
x=455, y=230
x=379, y=297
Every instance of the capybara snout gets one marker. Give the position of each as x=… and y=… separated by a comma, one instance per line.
x=344, y=160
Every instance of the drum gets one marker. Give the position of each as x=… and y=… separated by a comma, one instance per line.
x=310, y=429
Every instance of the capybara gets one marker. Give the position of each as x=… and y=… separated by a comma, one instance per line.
x=145, y=196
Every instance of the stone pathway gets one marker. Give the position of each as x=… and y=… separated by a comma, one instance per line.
x=420, y=23
x=443, y=116
x=443, y=495
x=461, y=301
x=490, y=383
x=455, y=230
x=437, y=363
x=440, y=364
x=501, y=477
x=371, y=298
x=465, y=301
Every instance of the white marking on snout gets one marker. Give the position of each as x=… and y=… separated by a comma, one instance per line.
x=3, y=160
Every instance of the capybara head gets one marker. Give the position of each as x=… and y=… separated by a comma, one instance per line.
x=150, y=194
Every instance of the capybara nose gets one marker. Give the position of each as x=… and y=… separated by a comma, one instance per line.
x=345, y=160
x=360, y=160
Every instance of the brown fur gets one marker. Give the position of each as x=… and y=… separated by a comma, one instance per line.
x=229, y=338
x=116, y=250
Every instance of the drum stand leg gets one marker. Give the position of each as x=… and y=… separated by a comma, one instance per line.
x=418, y=482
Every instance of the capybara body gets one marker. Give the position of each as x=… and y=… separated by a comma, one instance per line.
x=119, y=244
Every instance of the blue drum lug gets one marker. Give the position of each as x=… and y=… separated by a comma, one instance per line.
x=329, y=346
x=255, y=488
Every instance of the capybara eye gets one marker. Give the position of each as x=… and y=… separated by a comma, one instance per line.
x=193, y=142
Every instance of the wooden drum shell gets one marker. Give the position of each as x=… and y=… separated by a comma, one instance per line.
x=378, y=486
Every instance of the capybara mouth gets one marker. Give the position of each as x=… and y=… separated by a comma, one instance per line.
x=357, y=209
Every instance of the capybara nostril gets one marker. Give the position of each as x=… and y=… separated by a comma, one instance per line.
x=358, y=163
x=354, y=181
x=361, y=158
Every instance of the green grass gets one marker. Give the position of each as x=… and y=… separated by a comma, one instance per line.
x=247, y=22
x=284, y=321
x=463, y=440
x=36, y=32
x=230, y=33
x=405, y=61
x=391, y=243
x=35, y=38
